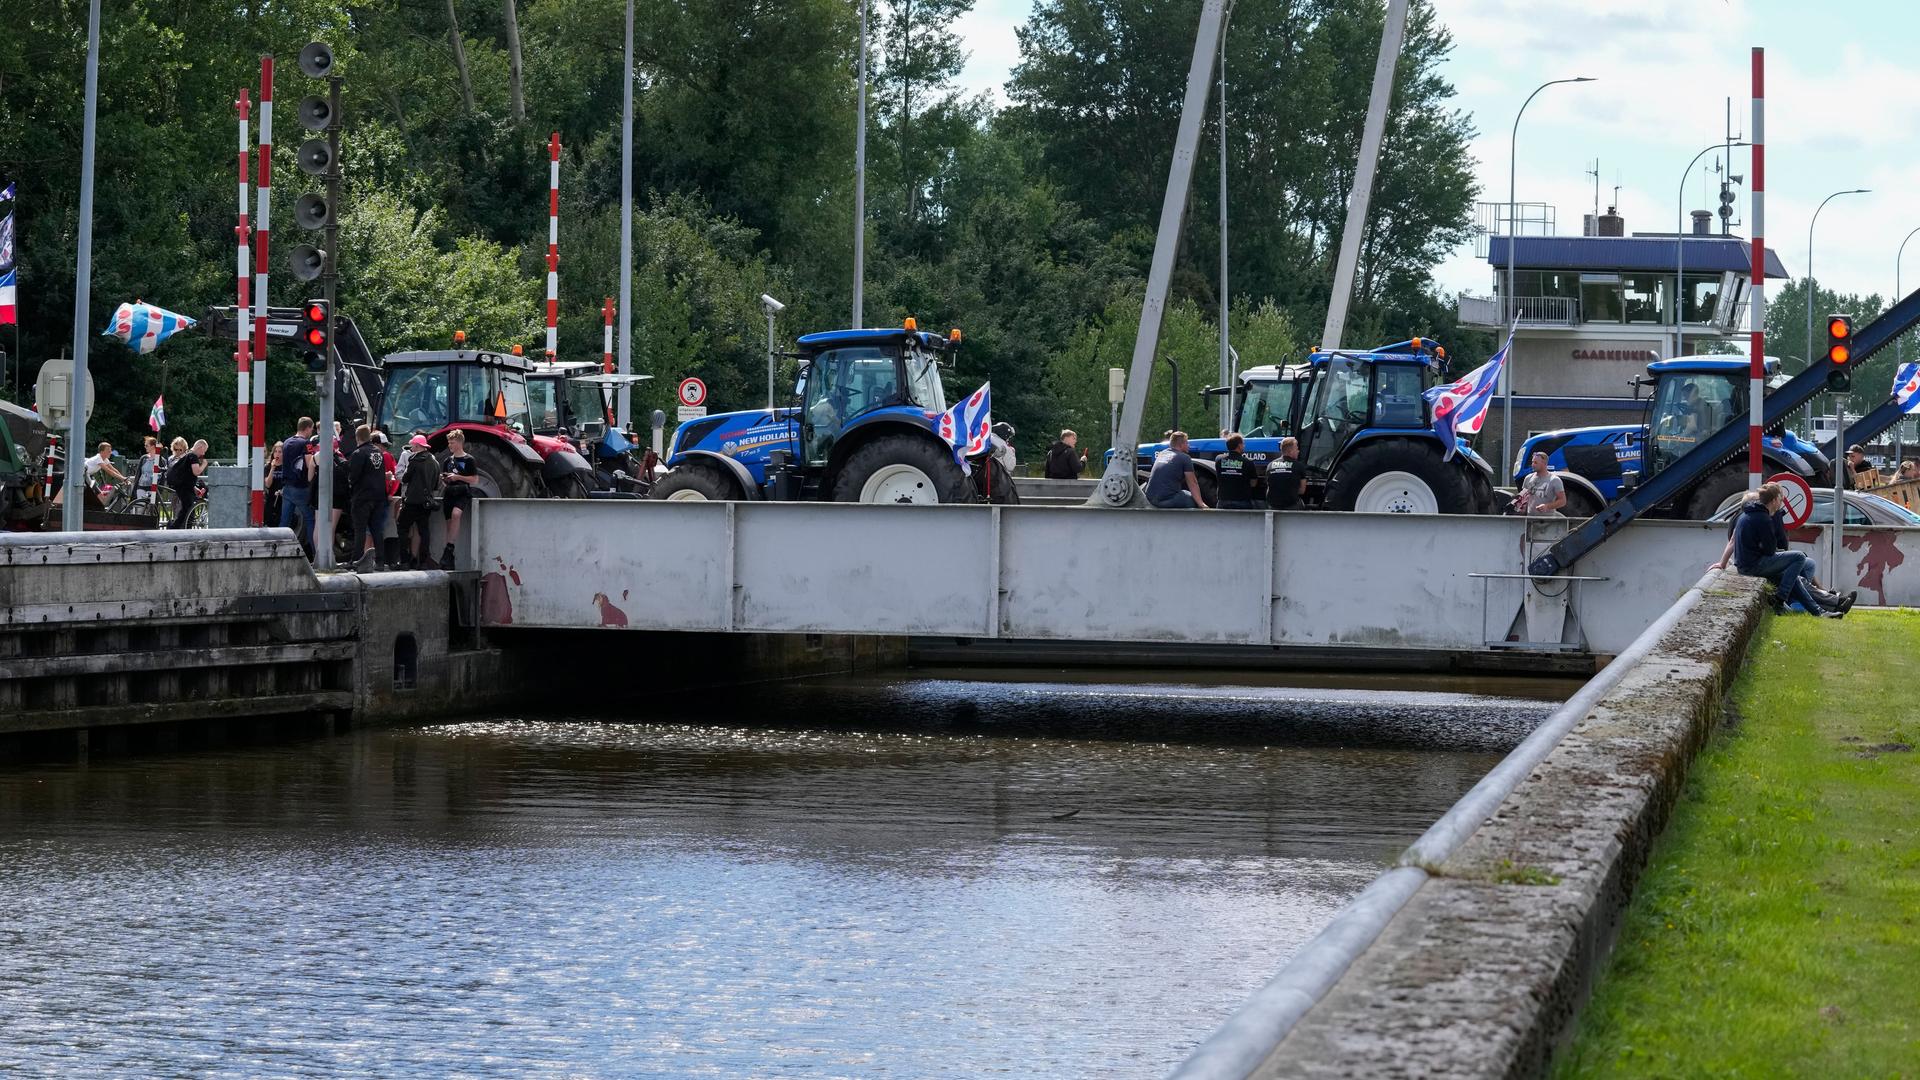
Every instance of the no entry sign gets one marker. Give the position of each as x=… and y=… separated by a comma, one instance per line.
x=1796, y=497
x=693, y=392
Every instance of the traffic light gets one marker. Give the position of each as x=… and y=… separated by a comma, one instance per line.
x=316, y=332
x=1839, y=353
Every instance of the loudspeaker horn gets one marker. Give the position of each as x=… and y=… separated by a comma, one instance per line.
x=317, y=59
x=308, y=262
x=312, y=211
x=314, y=157
x=315, y=114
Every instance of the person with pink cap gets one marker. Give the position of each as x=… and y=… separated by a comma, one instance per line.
x=419, y=479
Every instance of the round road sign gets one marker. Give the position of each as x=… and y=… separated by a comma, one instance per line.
x=1797, y=496
x=693, y=392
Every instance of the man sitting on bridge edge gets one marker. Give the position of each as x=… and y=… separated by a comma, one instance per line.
x=1759, y=549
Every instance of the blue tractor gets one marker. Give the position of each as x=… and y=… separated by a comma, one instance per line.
x=1365, y=433
x=864, y=430
x=1692, y=398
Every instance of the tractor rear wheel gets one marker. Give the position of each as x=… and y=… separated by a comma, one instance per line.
x=1399, y=476
x=1723, y=486
x=501, y=474
x=695, y=482
x=1001, y=489
x=902, y=469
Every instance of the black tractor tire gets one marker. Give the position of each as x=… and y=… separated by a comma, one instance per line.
x=1451, y=489
x=1209, y=486
x=696, y=482
x=571, y=486
x=1581, y=502
x=1720, y=485
x=502, y=476
x=933, y=460
x=1001, y=490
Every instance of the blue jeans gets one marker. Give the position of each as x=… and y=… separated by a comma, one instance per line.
x=293, y=508
x=1179, y=500
x=1789, y=571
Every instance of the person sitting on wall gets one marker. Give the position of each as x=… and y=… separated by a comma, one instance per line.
x=1759, y=549
x=1172, y=485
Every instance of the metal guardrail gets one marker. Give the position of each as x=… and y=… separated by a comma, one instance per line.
x=1251, y=1035
x=1531, y=311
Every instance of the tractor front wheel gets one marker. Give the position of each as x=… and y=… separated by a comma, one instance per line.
x=902, y=469
x=1725, y=487
x=1399, y=476
x=694, y=482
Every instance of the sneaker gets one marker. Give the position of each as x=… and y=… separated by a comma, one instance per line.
x=1846, y=603
x=366, y=565
x=1830, y=614
x=446, y=557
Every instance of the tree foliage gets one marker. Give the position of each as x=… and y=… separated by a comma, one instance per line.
x=1029, y=226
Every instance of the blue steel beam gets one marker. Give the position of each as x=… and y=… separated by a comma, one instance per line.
x=1722, y=445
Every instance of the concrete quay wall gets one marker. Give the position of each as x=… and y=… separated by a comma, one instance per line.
x=1471, y=957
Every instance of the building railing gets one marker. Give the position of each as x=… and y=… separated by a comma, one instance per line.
x=1530, y=310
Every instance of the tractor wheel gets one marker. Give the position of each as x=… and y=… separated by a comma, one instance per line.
x=1580, y=503
x=1721, y=488
x=1003, y=491
x=1209, y=486
x=501, y=474
x=902, y=469
x=1399, y=476
x=694, y=482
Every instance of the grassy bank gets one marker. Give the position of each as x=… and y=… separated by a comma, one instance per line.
x=1777, y=929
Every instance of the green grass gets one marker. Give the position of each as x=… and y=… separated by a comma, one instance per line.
x=1777, y=929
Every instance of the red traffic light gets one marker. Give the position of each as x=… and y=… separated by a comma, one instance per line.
x=316, y=313
x=316, y=337
x=1839, y=339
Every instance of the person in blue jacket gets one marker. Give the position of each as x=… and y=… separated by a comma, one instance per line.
x=1759, y=550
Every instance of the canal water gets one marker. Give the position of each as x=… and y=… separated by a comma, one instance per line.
x=1044, y=878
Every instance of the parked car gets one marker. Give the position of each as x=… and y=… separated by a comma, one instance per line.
x=1862, y=509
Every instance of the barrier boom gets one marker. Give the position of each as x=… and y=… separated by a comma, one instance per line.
x=1724, y=444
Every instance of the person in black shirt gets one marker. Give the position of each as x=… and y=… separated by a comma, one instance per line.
x=1064, y=460
x=1235, y=475
x=459, y=475
x=366, y=495
x=1283, y=477
x=183, y=476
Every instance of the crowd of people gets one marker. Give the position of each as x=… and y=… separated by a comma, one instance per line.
x=385, y=502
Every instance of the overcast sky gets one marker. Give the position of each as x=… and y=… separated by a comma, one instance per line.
x=1840, y=114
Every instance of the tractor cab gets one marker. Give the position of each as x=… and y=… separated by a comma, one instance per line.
x=560, y=405
x=851, y=378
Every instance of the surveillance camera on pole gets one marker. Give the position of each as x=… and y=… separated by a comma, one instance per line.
x=770, y=305
x=319, y=212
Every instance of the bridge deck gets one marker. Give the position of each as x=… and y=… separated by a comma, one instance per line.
x=1051, y=573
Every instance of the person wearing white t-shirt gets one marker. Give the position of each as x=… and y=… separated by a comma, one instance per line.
x=102, y=462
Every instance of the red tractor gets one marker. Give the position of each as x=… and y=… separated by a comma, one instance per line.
x=483, y=394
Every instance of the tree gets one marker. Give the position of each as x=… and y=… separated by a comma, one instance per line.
x=1787, y=337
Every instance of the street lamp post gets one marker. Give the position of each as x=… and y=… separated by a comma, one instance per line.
x=1226, y=365
x=1513, y=208
x=1810, y=284
x=1899, y=343
x=1680, y=249
x=860, y=186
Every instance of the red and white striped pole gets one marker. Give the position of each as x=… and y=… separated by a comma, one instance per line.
x=1757, y=348
x=242, y=353
x=263, y=227
x=553, y=244
x=606, y=348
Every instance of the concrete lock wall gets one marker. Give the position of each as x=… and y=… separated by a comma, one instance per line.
x=1053, y=573
x=1473, y=954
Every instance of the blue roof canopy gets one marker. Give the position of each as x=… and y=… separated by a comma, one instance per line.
x=873, y=336
x=1705, y=254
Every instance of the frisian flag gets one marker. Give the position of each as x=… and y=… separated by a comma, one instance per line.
x=142, y=327
x=967, y=426
x=9, y=302
x=1906, y=388
x=1461, y=407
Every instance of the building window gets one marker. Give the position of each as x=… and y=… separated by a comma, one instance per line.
x=1600, y=300
x=1644, y=298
